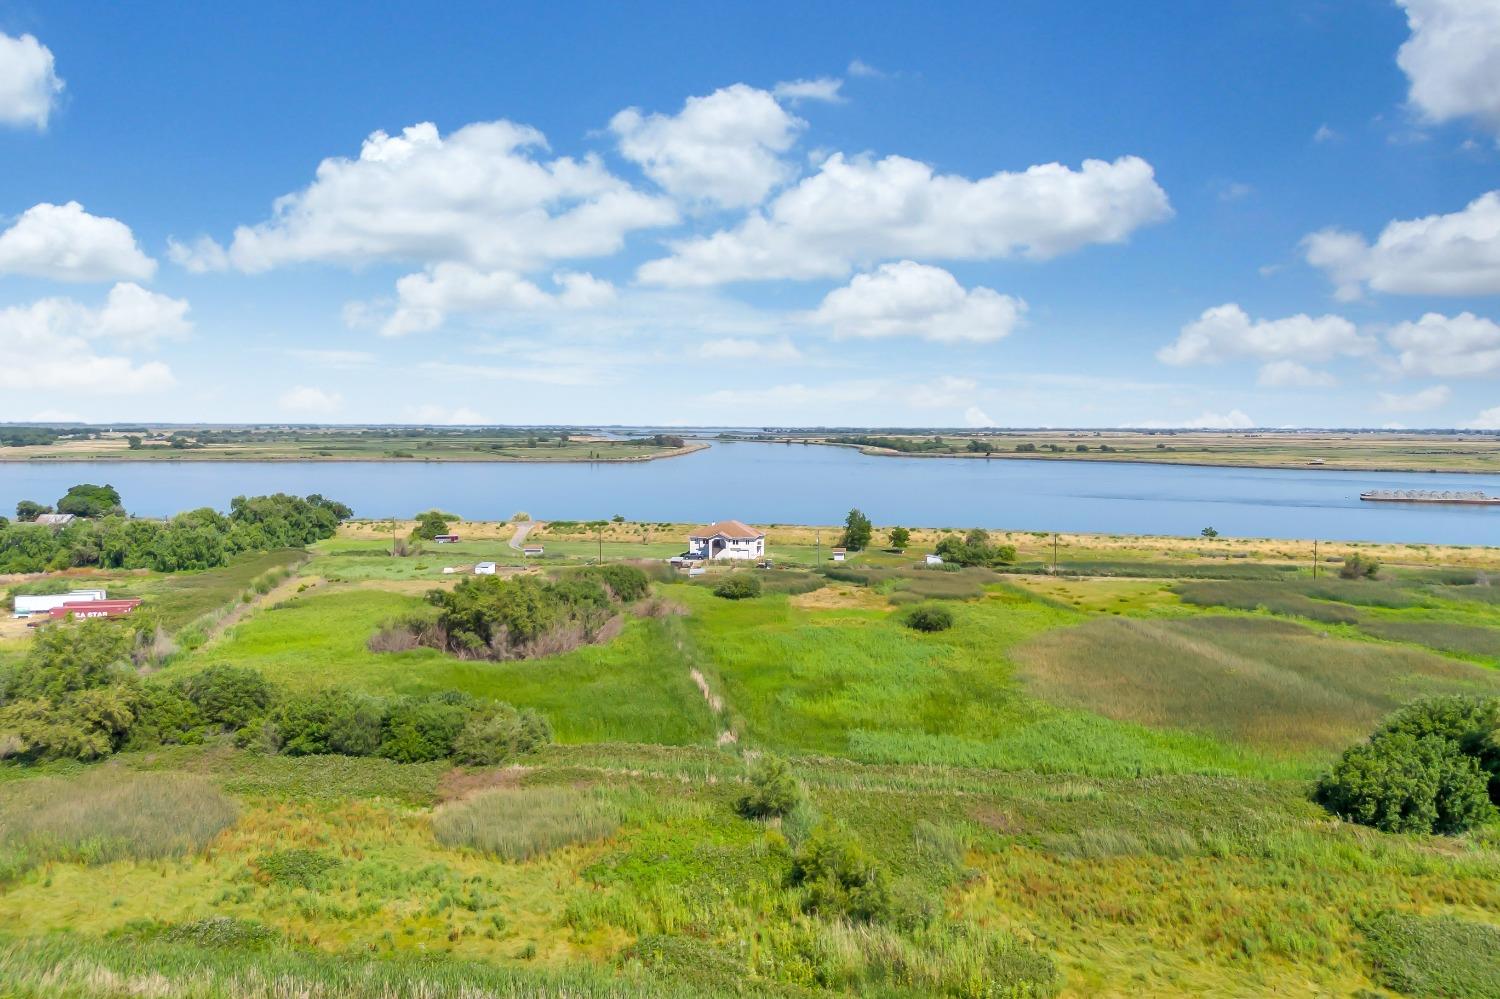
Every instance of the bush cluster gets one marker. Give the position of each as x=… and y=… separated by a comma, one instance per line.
x=1432, y=767
x=497, y=618
x=76, y=696
x=737, y=587
x=839, y=879
x=929, y=618
x=975, y=548
x=404, y=729
x=198, y=539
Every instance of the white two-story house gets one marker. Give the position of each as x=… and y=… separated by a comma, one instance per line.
x=727, y=539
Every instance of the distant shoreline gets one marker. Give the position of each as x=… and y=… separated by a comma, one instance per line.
x=210, y=456
x=1134, y=459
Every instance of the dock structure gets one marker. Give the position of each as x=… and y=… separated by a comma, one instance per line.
x=1459, y=496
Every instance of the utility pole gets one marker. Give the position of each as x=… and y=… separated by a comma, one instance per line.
x=1054, y=553
x=599, y=530
x=818, y=554
x=1315, y=558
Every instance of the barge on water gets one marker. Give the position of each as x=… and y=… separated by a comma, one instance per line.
x=1429, y=496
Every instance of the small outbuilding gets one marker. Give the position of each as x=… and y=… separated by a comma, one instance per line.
x=54, y=519
x=932, y=558
x=445, y=539
x=533, y=551
x=839, y=554
x=484, y=569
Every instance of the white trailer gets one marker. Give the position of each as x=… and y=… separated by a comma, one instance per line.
x=41, y=603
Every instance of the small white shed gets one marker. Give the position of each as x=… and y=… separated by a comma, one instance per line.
x=484, y=569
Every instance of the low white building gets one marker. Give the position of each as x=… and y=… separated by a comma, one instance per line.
x=484, y=569
x=934, y=559
x=42, y=603
x=727, y=539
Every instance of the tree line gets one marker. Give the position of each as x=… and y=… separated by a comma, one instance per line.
x=197, y=539
x=77, y=695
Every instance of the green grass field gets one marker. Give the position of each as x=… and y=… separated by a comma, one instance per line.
x=1087, y=786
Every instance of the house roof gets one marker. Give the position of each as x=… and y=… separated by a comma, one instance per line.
x=54, y=519
x=729, y=529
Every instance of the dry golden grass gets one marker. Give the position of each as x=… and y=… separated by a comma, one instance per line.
x=841, y=595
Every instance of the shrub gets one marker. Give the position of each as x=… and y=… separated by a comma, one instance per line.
x=499, y=733
x=229, y=696
x=1470, y=723
x=929, y=618
x=626, y=582
x=839, y=879
x=975, y=549
x=1357, y=566
x=774, y=790
x=331, y=721
x=1398, y=782
x=737, y=587
x=518, y=824
x=423, y=729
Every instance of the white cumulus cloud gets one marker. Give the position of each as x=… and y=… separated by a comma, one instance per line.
x=723, y=149
x=306, y=400
x=1452, y=59
x=749, y=349
x=66, y=243
x=1226, y=332
x=425, y=300
x=1235, y=419
x=1454, y=254
x=976, y=417
x=859, y=210
x=911, y=299
x=1290, y=374
x=1461, y=346
x=62, y=344
x=823, y=88
x=29, y=84
x=1415, y=402
x=480, y=195
x=1488, y=419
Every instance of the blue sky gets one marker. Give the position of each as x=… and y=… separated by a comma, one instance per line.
x=1027, y=214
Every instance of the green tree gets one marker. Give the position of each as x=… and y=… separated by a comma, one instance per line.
x=899, y=538
x=89, y=500
x=857, y=531
x=839, y=879
x=1209, y=532
x=429, y=525
x=29, y=510
x=133, y=442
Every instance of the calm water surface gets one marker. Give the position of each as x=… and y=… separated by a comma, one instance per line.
x=781, y=483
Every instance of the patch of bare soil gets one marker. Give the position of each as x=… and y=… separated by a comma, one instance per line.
x=460, y=783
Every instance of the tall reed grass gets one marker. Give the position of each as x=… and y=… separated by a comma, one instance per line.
x=106, y=815
x=520, y=823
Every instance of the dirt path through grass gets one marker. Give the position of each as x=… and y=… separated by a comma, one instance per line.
x=287, y=588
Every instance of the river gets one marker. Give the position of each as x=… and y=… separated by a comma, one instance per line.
x=808, y=484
